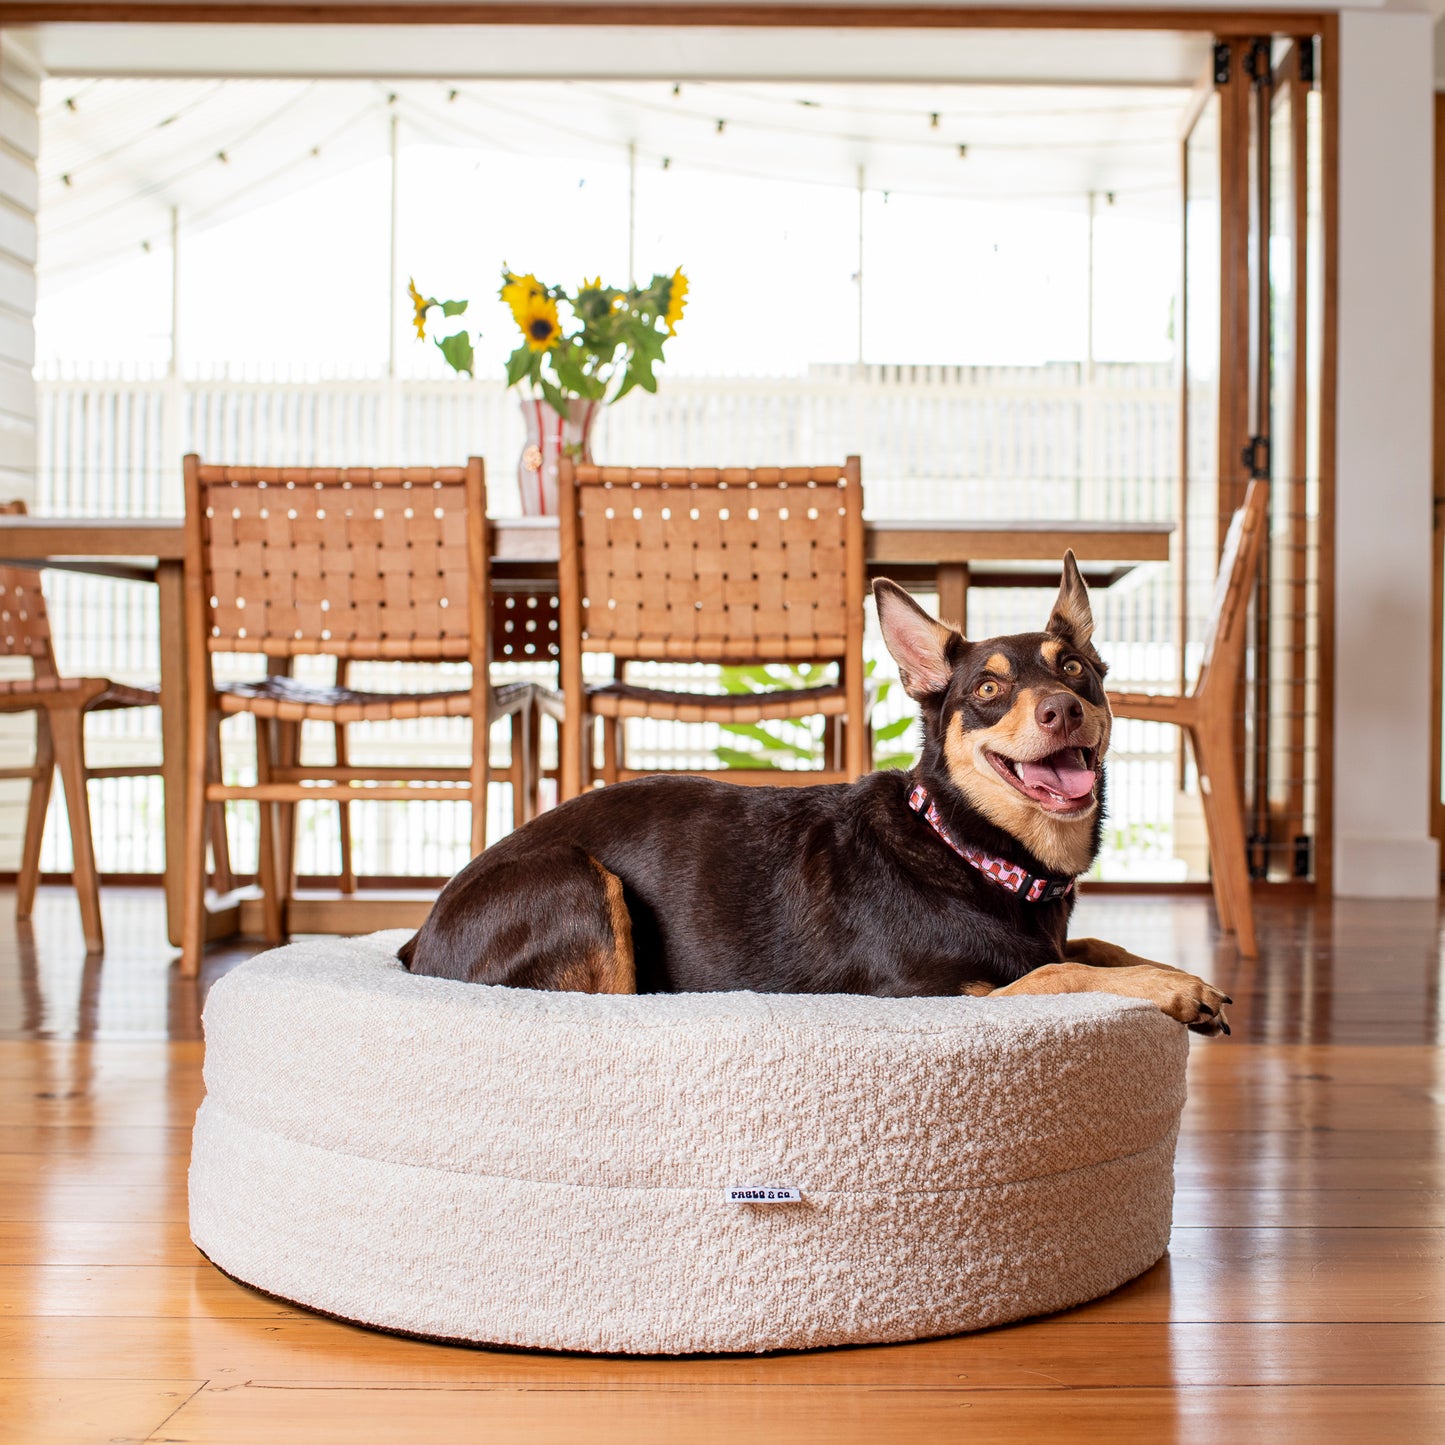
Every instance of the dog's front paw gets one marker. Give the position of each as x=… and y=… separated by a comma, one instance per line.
x=1192, y=1001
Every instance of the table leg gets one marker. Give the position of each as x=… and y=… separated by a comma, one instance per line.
x=170, y=583
x=953, y=594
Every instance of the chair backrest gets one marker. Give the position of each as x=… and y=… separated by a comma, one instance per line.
x=355, y=562
x=713, y=564
x=1238, y=566
x=525, y=626
x=24, y=623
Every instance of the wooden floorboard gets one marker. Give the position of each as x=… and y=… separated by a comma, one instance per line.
x=1302, y=1298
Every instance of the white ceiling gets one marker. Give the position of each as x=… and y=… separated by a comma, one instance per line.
x=230, y=117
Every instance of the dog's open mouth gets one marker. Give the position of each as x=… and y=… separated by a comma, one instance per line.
x=1061, y=782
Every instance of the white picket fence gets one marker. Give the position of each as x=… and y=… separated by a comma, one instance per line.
x=937, y=442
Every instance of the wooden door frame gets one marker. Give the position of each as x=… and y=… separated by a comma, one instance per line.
x=1235, y=27
x=1225, y=23
x=1437, y=589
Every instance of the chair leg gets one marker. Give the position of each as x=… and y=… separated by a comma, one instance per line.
x=480, y=777
x=68, y=729
x=611, y=748
x=222, y=878
x=40, y=786
x=832, y=746
x=343, y=809
x=534, y=752
x=198, y=773
x=1227, y=846
x=519, y=769
x=1223, y=905
x=287, y=753
x=267, y=859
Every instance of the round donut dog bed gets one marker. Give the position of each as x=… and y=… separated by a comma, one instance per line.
x=562, y=1170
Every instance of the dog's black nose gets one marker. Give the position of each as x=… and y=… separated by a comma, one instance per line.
x=1061, y=712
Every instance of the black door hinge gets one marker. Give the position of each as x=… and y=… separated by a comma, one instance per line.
x=1256, y=62
x=1304, y=849
x=1255, y=457
x=1307, y=60
x=1258, y=856
x=1221, y=63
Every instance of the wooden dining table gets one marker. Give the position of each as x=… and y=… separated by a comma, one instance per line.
x=946, y=557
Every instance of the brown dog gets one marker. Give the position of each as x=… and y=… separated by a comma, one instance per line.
x=956, y=877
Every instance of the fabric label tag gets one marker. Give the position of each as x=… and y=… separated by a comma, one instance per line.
x=762, y=1194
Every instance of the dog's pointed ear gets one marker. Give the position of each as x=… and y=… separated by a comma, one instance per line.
x=924, y=649
x=1072, y=618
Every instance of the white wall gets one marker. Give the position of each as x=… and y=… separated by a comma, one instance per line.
x=19, y=195
x=1383, y=560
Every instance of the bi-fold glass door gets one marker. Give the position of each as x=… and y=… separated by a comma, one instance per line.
x=1252, y=191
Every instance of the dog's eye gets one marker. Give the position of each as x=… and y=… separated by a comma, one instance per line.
x=1073, y=668
x=987, y=690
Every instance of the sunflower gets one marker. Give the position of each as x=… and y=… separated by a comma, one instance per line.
x=422, y=304
x=676, y=300
x=519, y=292
x=538, y=319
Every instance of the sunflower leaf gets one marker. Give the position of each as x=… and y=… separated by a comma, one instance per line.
x=649, y=343
x=556, y=398
x=458, y=351
x=519, y=364
x=451, y=308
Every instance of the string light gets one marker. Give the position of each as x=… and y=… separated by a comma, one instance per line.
x=393, y=98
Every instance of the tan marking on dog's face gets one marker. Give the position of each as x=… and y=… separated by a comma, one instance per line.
x=1000, y=666
x=1051, y=651
x=1063, y=844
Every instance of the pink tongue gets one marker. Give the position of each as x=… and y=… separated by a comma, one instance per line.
x=1061, y=772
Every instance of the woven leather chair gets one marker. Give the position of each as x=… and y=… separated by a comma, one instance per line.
x=729, y=565
x=1207, y=715
x=361, y=565
x=60, y=705
x=526, y=629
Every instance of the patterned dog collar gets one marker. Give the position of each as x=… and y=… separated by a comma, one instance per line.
x=1030, y=887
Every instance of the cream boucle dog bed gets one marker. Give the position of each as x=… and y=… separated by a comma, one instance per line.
x=555, y=1170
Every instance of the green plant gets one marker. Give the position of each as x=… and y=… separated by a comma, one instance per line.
x=797, y=739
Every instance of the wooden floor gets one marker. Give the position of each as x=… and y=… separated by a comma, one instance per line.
x=1303, y=1297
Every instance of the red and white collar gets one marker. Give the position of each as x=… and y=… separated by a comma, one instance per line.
x=1032, y=888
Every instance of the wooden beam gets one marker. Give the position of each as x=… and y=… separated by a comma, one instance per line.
x=662, y=16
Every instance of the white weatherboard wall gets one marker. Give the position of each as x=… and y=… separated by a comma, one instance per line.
x=19, y=196
x=1383, y=565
